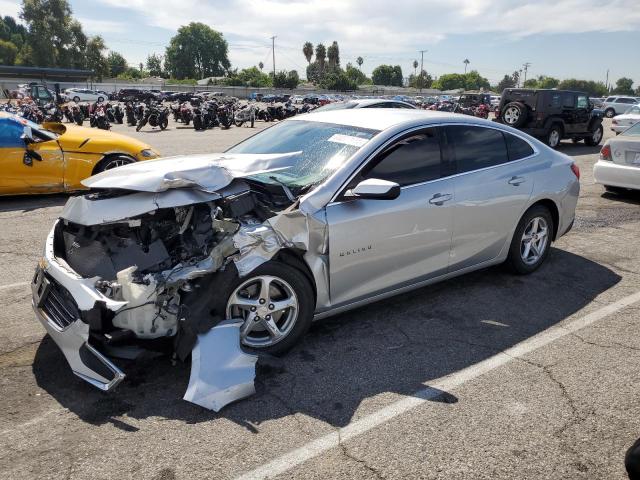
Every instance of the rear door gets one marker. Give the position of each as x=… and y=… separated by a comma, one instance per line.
x=379, y=245
x=582, y=114
x=492, y=188
x=569, y=112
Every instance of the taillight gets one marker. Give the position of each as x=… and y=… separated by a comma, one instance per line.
x=575, y=170
x=605, y=153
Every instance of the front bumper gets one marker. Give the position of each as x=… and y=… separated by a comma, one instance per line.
x=60, y=300
x=615, y=175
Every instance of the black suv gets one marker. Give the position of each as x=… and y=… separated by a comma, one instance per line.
x=136, y=95
x=551, y=115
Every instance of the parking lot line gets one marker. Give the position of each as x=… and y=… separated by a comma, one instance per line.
x=435, y=388
x=14, y=285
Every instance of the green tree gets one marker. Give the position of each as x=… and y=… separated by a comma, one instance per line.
x=508, y=81
x=307, y=50
x=591, y=88
x=338, y=80
x=474, y=81
x=333, y=55
x=197, y=51
x=542, y=81
x=624, y=86
x=424, y=80
x=359, y=61
x=415, y=67
x=321, y=54
x=54, y=38
x=95, y=57
x=356, y=75
x=387, y=75
x=117, y=64
x=261, y=66
x=451, y=81
x=466, y=64
x=8, y=52
x=249, y=77
x=154, y=65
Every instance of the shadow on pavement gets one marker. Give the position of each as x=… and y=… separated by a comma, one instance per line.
x=398, y=345
x=28, y=203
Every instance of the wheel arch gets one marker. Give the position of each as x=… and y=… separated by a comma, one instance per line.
x=108, y=156
x=553, y=209
x=295, y=258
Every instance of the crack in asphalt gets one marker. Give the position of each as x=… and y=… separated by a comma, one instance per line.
x=345, y=451
x=601, y=345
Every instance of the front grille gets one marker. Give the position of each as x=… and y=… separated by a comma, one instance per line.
x=55, y=301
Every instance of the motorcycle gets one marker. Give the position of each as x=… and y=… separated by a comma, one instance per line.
x=225, y=116
x=246, y=113
x=155, y=116
x=118, y=114
x=98, y=118
x=185, y=113
x=52, y=113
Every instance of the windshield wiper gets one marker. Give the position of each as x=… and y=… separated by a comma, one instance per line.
x=286, y=189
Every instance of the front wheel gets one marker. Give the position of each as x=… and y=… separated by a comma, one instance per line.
x=609, y=113
x=595, y=138
x=275, y=302
x=554, y=135
x=164, y=123
x=531, y=241
x=238, y=123
x=113, y=162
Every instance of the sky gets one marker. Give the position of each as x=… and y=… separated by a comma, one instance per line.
x=560, y=38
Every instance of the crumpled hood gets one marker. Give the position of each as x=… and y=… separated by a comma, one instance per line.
x=209, y=172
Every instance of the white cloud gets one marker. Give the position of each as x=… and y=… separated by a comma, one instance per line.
x=11, y=8
x=100, y=27
x=377, y=29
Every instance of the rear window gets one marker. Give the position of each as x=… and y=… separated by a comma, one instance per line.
x=517, y=147
x=610, y=99
x=477, y=147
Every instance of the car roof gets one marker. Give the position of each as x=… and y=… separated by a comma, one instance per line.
x=384, y=118
x=372, y=101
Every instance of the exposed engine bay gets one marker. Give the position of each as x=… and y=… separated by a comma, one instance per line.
x=137, y=262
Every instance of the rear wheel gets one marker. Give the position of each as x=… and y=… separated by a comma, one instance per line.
x=609, y=113
x=554, y=135
x=595, y=138
x=616, y=190
x=514, y=114
x=76, y=99
x=531, y=240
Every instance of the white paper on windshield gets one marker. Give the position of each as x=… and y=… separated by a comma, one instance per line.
x=348, y=140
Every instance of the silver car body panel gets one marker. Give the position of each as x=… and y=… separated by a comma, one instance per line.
x=358, y=251
x=221, y=372
x=623, y=170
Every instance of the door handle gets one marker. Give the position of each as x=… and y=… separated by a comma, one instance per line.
x=440, y=198
x=515, y=181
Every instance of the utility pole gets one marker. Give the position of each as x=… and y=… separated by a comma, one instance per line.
x=421, y=66
x=606, y=83
x=526, y=67
x=273, y=50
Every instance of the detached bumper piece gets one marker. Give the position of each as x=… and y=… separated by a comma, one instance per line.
x=57, y=311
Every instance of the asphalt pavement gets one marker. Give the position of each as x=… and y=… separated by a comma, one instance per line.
x=486, y=376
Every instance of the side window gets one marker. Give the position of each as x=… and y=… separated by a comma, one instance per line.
x=476, y=147
x=626, y=100
x=555, y=99
x=583, y=101
x=610, y=99
x=517, y=148
x=11, y=133
x=568, y=100
x=413, y=159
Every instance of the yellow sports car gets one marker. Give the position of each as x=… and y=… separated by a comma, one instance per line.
x=53, y=157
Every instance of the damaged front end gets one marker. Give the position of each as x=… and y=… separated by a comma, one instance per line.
x=130, y=266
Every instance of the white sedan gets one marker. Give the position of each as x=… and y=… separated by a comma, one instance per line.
x=618, y=168
x=621, y=122
x=84, y=95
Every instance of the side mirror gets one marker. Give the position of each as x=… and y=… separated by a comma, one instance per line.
x=376, y=189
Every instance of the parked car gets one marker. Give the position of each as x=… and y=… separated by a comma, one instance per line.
x=365, y=103
x=618, y=168
x=474, y=99
x=56, y=157
x=297, y=99
x=85, y=95
x=616, y=105
x=551, y=115
x=316, y=215
x=620, y=123
x=136, y=95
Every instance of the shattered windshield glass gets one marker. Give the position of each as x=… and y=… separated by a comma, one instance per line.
x=321, y=148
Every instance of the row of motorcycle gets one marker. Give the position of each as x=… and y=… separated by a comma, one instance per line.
x=482, y=110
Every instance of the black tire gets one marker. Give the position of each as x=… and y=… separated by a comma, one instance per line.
x=609, y=113
x=596, y=137
x=164, y=123
x=616, y=190
x=197, y=123
x=238, y=123
x=553, y=136
x=112, y=161
x=514, y=114
x=76, y=99
x=100, y=99
x=514, y=261
x=139, y=126
x=224, y=287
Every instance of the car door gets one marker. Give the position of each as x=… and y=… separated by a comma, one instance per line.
x=492, y=188
x=569, y=112
x=582, y=114
x=379, y=245
x=21, y=174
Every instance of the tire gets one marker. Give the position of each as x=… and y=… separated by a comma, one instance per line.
x=616, y=190
x=281, y=275
x=553, y=136
x=609, y=113
x=197, y=123
x=139, y=126
x=112, y=161
x=164, y=123
x=76, y=99
x=100, y=99
x=514, y=114
x=238, y=123
x=517, y=251
x=596, y=137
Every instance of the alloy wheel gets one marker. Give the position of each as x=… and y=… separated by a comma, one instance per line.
x=534, y=240
x=116, y=162
x=269, y=307
x=554, y=138
x=511, y=115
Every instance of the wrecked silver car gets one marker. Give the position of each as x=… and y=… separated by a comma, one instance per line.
x=225, y=255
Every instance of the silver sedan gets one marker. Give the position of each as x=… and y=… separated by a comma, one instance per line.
x=316, y=215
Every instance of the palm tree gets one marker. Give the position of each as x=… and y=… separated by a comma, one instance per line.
x=466, y=63
x=307, y=49
x=359, y=61
x=333, y=54
x=415, y=66
x=261, y=66
x=321, y=54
